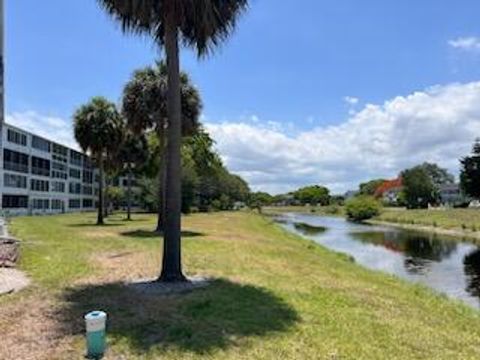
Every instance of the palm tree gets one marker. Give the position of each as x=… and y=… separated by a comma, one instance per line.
x=199, y=24
x=98, y=130
x=133, y=153
x=145, y=109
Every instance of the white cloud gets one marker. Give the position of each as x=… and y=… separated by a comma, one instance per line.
x=49, y=127
x=470, y=43
x=350, y=100
x=438, y=125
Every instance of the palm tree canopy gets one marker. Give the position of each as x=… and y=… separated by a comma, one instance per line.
x=145, y=101
x=133, y=150
x=202, y=24
x=98, y=127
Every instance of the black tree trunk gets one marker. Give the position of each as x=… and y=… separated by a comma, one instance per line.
x=105, y=197
x=100, y=195
x=129, y=193
x=172, y=264
x=161, y=184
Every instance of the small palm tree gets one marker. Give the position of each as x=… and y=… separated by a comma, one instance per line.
x=133, y=153
x=202, y=25
x=145, y=109
x=98, y=130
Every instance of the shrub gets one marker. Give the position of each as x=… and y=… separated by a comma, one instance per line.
x=362, y=208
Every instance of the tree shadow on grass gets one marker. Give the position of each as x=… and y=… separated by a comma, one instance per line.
x=153, y=234
x=215, y=317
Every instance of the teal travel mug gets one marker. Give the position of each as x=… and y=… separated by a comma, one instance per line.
x=95, y=322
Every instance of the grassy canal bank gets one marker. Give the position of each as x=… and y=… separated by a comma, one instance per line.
x=277, y=296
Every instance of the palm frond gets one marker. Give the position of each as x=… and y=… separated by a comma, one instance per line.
x=202, y=24
x=145, y=101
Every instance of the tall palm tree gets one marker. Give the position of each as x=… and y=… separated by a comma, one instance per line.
x=145, y=109
x=199, y=24
x=98, y=130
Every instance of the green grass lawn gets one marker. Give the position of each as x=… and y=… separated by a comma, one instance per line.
x=277, y=296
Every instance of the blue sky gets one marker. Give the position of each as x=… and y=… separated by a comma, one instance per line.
x=292, y=70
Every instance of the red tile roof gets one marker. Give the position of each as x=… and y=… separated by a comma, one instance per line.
x=388, y=185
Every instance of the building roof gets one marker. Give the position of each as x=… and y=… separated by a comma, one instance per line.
x=388, y=185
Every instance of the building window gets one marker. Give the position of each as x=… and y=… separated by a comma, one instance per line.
x=16, y=137
x=87, y=177
x=15, y=181
x=15, y=161
x=58, y=186
x=41, y=204
x=75, y=173
x=75, y=188
x=87, y=203
x=74, y=203
x=40, y=166
x=75, y=158
x=14, y=201
x=57, y=204
x=59, y=166
x=60, y=150
x=59, y=158
x=87, y=190
x=59, y=175
x=40, y=144
x=39, y=185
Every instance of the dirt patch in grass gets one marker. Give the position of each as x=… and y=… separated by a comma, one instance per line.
x=103, y=234
x=32, y=332
x=123, y=266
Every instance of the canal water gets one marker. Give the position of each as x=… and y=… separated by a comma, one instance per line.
x=448, y=266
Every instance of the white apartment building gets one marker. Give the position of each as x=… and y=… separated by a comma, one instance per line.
x=40, y=176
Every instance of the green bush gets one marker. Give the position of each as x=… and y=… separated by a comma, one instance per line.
x=362, y=208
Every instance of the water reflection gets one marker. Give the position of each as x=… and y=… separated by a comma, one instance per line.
x=419, y=249
x=307, y=229
x=447, y=265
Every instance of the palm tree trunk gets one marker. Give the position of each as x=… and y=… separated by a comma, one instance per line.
x=105, y=197
x=161, y=184
x=172, y=264
x=129, y=193
x=100, y=195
